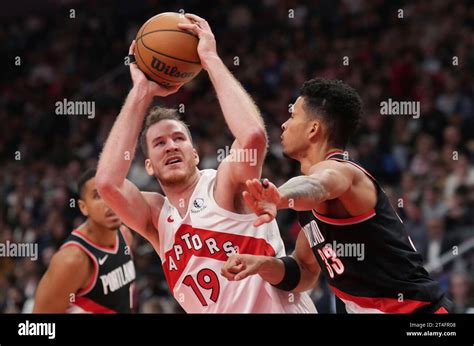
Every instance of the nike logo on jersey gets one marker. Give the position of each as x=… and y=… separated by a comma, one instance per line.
x=103, y=259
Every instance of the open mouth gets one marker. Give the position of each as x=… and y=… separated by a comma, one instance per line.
x=110, y=213
x=173, y=160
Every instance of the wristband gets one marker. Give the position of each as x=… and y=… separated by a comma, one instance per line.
x=292, y=276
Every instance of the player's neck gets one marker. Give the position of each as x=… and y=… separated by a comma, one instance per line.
x=179, y=195
x=100, y=234
x=316, y=153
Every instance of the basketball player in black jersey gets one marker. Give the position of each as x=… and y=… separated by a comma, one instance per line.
x=93, y=271
x=341, y=208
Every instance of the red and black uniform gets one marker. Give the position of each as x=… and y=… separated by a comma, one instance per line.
x=370, y=261
x=110, y=288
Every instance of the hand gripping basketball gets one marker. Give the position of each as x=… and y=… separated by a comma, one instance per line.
x=145, y=87
x=207, y=43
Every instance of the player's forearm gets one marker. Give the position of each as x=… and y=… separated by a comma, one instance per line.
x=272, y=270
x=120, y=145
x=302, y=193
x=52, y=307
x=308, y=279
x=240, y=112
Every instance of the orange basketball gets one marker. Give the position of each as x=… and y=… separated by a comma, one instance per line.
x=165, y=53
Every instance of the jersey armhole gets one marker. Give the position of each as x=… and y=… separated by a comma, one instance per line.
x=127, y=244
x=161, y=226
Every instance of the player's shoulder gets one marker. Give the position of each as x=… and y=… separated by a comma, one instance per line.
x=207, y=177
x=70, y=257
x=343, y=168
x=339, y=165
x=208, y=172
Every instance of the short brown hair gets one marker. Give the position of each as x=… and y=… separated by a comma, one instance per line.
x=155, y=115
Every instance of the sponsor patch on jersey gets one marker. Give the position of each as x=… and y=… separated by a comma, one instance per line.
x=198, y=205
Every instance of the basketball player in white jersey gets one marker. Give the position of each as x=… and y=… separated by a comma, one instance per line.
x=203, y=219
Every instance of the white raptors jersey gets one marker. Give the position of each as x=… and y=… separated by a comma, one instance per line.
x=194, y=249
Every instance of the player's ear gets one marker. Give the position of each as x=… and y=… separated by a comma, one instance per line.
x=149, y=167
x=314, y=130
x=83, y=207
x=196, y=157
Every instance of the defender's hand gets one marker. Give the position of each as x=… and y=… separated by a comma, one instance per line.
x=263, y=201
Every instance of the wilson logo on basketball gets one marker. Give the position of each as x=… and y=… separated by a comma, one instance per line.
x=160, y=66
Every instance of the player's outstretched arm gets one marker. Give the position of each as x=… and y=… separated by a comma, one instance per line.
x=297, y=273
x=240, y=112
x=70, y=270
x=132, y=206
x=327, y=180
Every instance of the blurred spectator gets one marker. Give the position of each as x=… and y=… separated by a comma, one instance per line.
x=415, y=225
x=460, y=291
x=432, y=204
x=152, y=306
x=438, y=243
x=463, y=174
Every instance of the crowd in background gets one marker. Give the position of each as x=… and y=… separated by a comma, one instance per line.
x=399, y=50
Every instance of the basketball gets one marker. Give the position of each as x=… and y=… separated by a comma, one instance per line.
x=165, y=53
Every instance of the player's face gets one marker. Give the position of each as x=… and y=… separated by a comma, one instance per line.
x=94, y=207
x=172, y=158
x=295, y=137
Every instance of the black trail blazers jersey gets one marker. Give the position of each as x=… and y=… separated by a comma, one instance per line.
x=370, y=261
x=110, y=288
